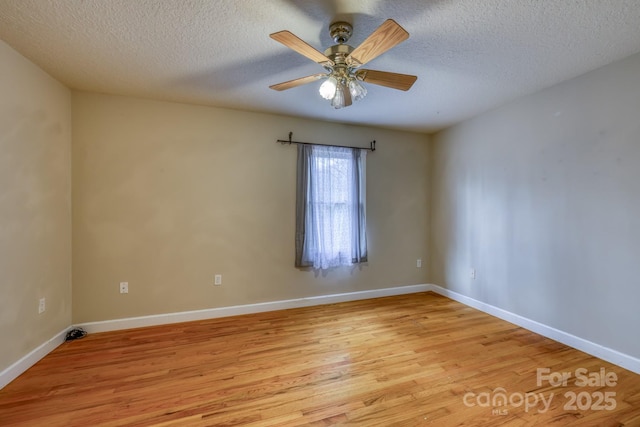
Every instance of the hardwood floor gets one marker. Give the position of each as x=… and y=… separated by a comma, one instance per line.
x=418, y=359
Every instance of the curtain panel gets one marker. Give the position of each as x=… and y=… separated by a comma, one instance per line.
x=330, y=206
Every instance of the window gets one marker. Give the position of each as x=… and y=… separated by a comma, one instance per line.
x=330, y=206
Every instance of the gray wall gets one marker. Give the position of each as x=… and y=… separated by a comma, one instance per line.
x=542, y=198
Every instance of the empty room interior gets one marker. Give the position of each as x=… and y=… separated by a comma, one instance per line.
x=347, y=212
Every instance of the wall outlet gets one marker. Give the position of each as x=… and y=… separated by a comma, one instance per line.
x=124, y=287
x=472, y=273
x=41, y=306
x=419, y=263
x=217, y=280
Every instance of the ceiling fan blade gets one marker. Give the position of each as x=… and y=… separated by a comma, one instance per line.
x=384, y=78
x=297, y=82
x=386, y=36
x=294, y=42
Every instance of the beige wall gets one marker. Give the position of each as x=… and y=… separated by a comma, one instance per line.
x=542, y=197
x=35, y=206
x=166, y=195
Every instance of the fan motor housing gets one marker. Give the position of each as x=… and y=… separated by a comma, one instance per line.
x=338, y=51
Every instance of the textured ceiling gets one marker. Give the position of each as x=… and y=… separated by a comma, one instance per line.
x=469, y=55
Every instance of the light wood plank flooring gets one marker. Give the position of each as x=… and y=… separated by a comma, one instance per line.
x=410, y=360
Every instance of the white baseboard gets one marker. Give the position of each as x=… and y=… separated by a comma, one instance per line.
x=211, y=313
x=621, y=359
x=613, y=356
x=31, y=358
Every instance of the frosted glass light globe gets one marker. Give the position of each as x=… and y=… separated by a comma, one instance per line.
x=328, y=88
x=357, y=90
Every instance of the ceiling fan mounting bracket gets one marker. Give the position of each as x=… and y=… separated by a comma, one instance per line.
x=340, y=31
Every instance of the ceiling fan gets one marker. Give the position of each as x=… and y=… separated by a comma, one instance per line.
x=342, y=62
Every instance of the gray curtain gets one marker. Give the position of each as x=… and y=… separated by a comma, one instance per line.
x=330, y=206
x=303, y=177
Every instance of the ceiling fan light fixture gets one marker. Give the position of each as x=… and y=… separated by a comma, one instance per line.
x=338, y=99
x=328, y=88
x=357, y=90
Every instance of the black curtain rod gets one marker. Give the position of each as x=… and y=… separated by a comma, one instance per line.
x=372, y=144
